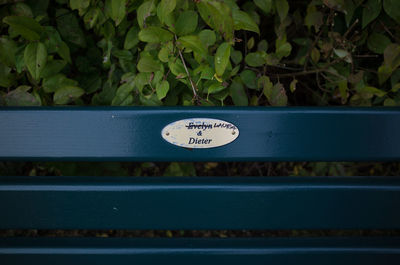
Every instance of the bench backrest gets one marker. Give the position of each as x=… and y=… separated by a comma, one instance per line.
x=134, y=134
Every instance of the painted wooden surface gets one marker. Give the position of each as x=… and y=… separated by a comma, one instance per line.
x=273, y=251
x=266, y=134
x=200, y=203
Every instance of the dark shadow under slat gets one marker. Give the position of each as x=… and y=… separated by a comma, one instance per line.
x=199, y=203
x=274, y=251
x=266, y=134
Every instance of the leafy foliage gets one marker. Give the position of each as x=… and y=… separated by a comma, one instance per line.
x=204, y=52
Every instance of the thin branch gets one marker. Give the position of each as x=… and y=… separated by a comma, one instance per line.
x=351, y=28
x=328, y=21
x=388, y=31
x=195, y=96
x=314, y=71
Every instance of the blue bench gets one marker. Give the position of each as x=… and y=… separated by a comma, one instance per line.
x=194, y=203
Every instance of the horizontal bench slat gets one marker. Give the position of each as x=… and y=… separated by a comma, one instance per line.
x=200, y=203
x=272, y=134
x=276, y=251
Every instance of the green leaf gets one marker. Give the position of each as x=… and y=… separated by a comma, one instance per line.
x=180, y=169
x=21, y=97
x=276, y=95
x=123, y=96
x=392, y=8
x=384, y=72
x=165, y=8
x=237, y=93
x=27, y=27
x=265, y=83
x=215, y=87
x=186, y=23
x=218, y=16
x=155, y=35
x=314, y=18
x=39, y=7
x=283, y=49
x=90, y=83
x=131, y=39
x=378, y=42
x=69, y=28
x=67, y=94
x=262, y=46
x=389, y=102
x=21, y=9
x=93, y=16
x=293, y=85
x=35, y=57
x=371, y=11
x=264, y=5
x=164, y=53
x=53, y=83
x=177, y=68
x=144, y=11
x=52, y=40
x=282, y=7
x=116, y=10
x=207, y=73
x=236, y=56
x=373, y=90
x=343, y=54
x=395, y=78
x=243, y=21
x=221, y=58
x=392, y=56
x=63, y=51
x=52, y=67
x=249, y=79
x=207, y=37
x=6, y=77
x=7, y=52
x=108, y=30
x=343, y=90
x=79, y=4
x=350, y=7
x=194, y=43
x=396, y=87
x=162, y=89
x=147, y=64
x=315, y=55
x=256, y=59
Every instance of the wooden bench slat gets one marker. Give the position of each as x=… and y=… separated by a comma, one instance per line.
x=273, y=134
x=200, y=203
x=274, y=251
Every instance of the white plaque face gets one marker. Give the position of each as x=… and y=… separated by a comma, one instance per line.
x=200, y=133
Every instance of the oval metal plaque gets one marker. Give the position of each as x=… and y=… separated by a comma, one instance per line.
x=200, y=133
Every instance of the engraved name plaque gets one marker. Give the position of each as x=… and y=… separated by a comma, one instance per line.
x=200, y=133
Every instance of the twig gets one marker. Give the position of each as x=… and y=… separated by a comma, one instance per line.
x=195, y=96
x=366, y=55
x=388, y=31
x=314, y=71
x=328, y=20
x=351, y=28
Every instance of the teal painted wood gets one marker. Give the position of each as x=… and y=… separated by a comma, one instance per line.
x=266, y=134
x=274, y=251
x=200, y=203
